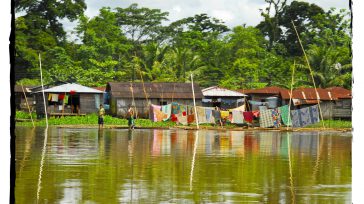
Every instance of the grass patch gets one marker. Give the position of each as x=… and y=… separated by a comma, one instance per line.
x=332, y=124
x=24, y=115
x=91, y=119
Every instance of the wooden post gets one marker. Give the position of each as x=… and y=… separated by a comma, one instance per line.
x=194, y=102
x=26, y=101
x=290, y=96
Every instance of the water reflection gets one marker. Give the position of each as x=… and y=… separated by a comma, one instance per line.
x=118, y=166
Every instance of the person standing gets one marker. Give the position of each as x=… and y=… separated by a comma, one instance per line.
x=101, y=116
x=130, y=117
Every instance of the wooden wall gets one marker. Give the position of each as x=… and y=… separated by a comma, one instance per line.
x=119, y=106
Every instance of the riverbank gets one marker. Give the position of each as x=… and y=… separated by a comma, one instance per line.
x=90, y=121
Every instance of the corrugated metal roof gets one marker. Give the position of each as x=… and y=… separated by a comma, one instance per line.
x=221, y=92
x=332, y=93
x=310, y=94
x=66, y=88
x=271, y=90
x=339, y=92
x=154, y=90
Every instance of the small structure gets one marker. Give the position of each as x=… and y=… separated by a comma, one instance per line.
x=68, y=99
x=20, y=102
x=122, y=94
x=222, y=98
x=271, y=97
x=335, y=102
x=342, y=107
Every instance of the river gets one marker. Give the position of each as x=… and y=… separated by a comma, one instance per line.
x=64, y=165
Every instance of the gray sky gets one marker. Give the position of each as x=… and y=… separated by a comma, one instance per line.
x=232, y=12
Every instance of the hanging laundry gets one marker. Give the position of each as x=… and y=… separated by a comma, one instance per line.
x=224, y=114
x=174, y=118
x=49, y=97
x=314, y=114
x=238, y=117
x=61, y=96
x=284, y=111
x=97, y=101
x=256, y=113
x=305, y=117
x=276, y=118
x=216, y=114
x=248, y=116
x=167, y=109
x=175, y=108
x=201, y=115
x=182, y=119
x=266, y=119
x=54, y=97
x=65, y=99
x=191, y=118
x=160, y=115
x=296, y=119
x=209, y=115
x=153, y=112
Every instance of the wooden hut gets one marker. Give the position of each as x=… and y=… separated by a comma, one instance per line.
x=20, y=102
x=272, y=96
x=335, y=102
x=222, y=98
x=121, y=94
x=68, y=99
x=342, y=107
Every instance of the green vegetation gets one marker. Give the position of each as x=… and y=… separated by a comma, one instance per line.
x=332, y=124
x=125, y=44
x=91, y=119
x=25, y=115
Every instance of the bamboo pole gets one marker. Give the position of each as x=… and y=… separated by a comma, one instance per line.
x=133, y=101
x=193, y=160
x=145, y=92
x=39, y=186
x=290, y=168
x=26, y=101
x=41, y=80
x=290, y=95
x=311, y=73
x=194, y=102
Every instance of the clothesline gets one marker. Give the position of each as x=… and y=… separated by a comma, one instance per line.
x=185, y=114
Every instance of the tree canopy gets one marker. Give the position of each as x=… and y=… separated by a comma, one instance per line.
x=137, y=43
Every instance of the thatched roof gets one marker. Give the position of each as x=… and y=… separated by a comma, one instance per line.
x=164, y=90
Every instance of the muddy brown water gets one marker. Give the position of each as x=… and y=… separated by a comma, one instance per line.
x=181, y=166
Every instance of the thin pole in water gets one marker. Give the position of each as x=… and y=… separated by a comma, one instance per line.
x=193, y=160
x=194, y=101
x=290, y=167
x=41, y=80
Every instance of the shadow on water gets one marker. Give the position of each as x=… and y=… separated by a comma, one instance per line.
x=181, y=166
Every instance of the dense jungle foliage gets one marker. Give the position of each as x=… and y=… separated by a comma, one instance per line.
x=135, y=43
